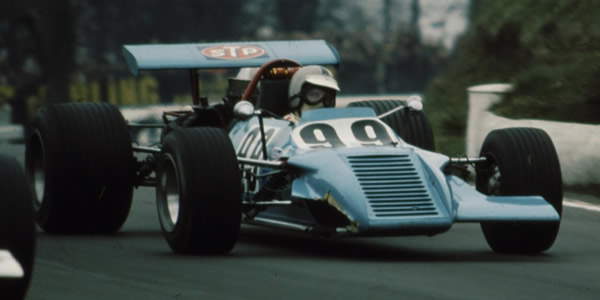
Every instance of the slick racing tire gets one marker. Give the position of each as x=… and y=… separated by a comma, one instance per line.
x=79, y=161
x=412, y=126
x=520, y=161
x=17, y=227
x=199, y=191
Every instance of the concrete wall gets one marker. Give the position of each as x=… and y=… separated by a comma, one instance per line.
x=578, y=145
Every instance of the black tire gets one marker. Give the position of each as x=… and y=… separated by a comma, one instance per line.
x=80, y=163
x=412, y=126
x=198, y=172
x=520, y=161
x=17, y=226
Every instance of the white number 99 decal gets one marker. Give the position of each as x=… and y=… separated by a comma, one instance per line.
x=343, y=133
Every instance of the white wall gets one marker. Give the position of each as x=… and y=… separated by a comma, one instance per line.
x=578, y=145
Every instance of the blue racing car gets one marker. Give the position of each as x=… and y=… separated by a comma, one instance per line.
x=278, y=151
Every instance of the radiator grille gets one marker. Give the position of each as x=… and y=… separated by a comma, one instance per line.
x=392, y=185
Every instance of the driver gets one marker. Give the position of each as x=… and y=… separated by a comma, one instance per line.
x=311, y=87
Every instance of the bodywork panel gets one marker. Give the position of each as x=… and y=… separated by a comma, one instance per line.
x=476, y=207
x=9, y=266
x=383, y=190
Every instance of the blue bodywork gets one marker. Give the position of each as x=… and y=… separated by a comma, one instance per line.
x=391, y=188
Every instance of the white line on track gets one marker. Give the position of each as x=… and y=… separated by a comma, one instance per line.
x=581, y=204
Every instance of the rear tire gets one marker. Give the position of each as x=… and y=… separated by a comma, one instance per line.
x=199, y=191
x=520, y=161
x=412, y=126
x=80, y=162
x=17, y=226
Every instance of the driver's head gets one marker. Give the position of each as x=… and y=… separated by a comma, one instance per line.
x=312, y=87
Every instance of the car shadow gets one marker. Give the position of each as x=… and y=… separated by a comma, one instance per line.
x=257, y=242
x=274, y=243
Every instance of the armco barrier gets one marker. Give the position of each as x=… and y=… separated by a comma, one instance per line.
x=578, y=145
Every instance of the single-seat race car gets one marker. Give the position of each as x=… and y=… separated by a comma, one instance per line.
x=368, y=169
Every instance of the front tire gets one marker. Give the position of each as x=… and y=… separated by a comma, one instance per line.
x=80, y=162
x=412, y=126
x=199, y=191
x=17, y=226
x=520, y=161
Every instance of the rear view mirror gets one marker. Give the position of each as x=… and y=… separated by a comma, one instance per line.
x=414, y=103
x=243, y=110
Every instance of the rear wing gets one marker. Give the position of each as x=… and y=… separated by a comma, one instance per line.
x=227, y=54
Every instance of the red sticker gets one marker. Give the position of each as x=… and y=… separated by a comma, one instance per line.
x=233, y=52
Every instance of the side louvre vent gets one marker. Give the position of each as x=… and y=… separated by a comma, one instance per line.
x=392, y=185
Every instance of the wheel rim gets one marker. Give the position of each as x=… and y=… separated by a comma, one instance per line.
x=493, y=181
x=36, y=168
x=168, y=195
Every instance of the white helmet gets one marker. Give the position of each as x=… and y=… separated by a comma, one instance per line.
x=316, y=76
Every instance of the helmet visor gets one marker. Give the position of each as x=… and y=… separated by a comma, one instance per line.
x=323, y=81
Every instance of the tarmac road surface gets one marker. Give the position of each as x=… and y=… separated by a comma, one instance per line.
x=137, y=263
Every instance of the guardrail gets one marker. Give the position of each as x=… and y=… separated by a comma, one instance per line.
x=577, y=145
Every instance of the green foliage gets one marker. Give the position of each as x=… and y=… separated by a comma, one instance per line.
x=549, y=51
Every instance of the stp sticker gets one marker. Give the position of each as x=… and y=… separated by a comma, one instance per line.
x=233, y=52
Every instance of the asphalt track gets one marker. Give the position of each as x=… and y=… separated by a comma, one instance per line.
x=136, y=263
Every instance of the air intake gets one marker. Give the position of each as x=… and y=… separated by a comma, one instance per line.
x=392, y=185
